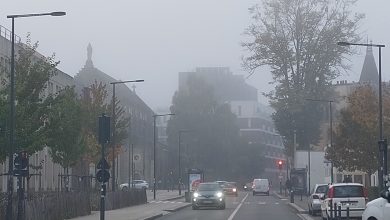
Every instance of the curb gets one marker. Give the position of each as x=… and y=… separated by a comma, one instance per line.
x=173, y=198
x=299, y=209
x=154, y=216
x=178, y=208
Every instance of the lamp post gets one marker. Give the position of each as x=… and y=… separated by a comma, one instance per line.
x=330, y=127
x=382, y=171
x=154, y=151
x=113, y=180
x=12, y=107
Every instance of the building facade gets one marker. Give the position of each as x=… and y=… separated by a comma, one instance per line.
x=45, y=171
x=141, y=124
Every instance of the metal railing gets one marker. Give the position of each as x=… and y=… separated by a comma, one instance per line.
x=6, y=33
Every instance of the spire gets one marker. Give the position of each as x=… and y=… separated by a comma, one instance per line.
x=369, y=72
x=89, y=62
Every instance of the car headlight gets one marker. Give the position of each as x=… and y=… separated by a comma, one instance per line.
x=245, y=187
x=234, y=190
x=196, y=195
x=219, y=194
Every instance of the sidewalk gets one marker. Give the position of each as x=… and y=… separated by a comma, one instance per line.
x=165, y=203
x=299, y=205
x=163, y=195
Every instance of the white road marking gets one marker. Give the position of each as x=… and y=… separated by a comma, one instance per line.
x=237, y=208
x=284, y=199
x=262, y=203
x=276, y=203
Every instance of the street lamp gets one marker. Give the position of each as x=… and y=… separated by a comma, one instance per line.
x=180, y=132
x=382, y=170
x=12, y=109
x=331, y=129
x=113, y=180
x=154, y=152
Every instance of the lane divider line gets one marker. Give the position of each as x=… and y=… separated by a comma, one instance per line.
x=237, y=208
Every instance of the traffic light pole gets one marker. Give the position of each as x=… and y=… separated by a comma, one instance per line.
x=20, y=198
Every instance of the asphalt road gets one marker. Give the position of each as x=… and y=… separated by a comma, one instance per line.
x=243, y=207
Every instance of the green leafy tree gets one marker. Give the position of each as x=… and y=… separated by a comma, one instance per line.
x=64, y=129
x=32, y=75
x=298, y=39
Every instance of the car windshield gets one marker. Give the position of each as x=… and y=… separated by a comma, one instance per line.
x=321, y=189
x=209, y=187
x=348, y=191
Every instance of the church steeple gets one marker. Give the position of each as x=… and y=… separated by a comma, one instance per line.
x=369, y=72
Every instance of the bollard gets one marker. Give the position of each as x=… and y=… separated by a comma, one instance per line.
x=347, y=212
x=292, y=196
x=335, y=210
x=301, y=195
x=339, y=211
x=331, y=212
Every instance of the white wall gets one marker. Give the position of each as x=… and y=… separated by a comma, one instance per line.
x=319, y=171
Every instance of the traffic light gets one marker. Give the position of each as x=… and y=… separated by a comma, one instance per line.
x=21, y=164
x=280, y=164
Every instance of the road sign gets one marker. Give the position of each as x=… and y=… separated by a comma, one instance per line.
x=103, y=176
x=103, y=164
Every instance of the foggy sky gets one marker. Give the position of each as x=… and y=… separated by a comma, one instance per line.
x=155, y=39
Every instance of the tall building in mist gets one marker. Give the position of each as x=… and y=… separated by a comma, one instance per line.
x=254, y=118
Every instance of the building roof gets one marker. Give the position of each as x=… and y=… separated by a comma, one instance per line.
x=89, y=74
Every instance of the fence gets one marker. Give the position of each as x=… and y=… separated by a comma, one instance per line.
x=65, y=205
x=119, y=199
x=50, y=205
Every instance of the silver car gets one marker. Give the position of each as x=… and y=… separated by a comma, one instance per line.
x=137, y=184
x=316, y=198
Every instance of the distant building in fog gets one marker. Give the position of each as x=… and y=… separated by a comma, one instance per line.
x=254, y=119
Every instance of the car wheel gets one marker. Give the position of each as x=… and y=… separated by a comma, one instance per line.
x=125, y=188
x=254, y=193
x=222, y=207
x=143, y=188
x=194, y=207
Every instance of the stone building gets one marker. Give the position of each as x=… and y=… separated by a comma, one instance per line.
x=141, y=116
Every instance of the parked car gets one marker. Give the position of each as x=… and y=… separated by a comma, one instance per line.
x=378, y=209
x=352, y=195
x=314, y=201
x=260, y=186
x=137, y=184
x=230, y=188
x=208, y=195
x=221, y=183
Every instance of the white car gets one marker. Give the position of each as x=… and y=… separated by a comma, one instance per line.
x=260, y=186
x=314, y=201
x=378, y=209
x=352, y=195
x=137, y=184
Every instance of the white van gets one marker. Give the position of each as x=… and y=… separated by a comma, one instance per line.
x=260, y=186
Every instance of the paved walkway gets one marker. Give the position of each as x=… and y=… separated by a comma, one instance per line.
x=299, y=205
x=165, y=203
x=164, y=195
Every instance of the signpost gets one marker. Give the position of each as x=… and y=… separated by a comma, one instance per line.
x=103, y=175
